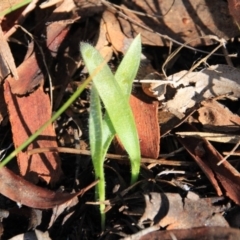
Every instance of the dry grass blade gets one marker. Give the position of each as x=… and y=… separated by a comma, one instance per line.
x=215, y=137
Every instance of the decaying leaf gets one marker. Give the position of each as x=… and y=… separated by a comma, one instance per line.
x=40, y=166
x=114, y=33
x=58, y=210
x=214, y=137
x=194, y=87
x=173, y=212
x=145, y=114
x=103, y=45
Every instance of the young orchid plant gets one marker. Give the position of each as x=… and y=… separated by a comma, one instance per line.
x=114, y=92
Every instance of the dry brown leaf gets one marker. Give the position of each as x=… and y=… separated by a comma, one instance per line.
x=27, y=115
x=29, y=77
x=58, y=210
x=114, y=33
x=216, y=117
x=183, y=21
x=103, y=45
x=23, y=192
x=145, y=114
x=88, y=8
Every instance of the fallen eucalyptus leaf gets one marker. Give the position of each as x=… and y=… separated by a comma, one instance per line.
x=23, y=192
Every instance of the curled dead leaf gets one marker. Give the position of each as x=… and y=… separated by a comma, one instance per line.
x=23, y=192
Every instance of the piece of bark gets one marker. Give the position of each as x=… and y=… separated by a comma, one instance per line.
x=146, y=118
x=27, y=114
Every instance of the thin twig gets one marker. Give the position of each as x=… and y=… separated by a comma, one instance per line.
x=137, y=12
x=110, y=156
x=228, y=155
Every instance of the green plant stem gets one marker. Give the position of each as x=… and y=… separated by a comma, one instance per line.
x=101, y=193
x=96, y=138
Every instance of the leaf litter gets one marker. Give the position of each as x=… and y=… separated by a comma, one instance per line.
x=202, y=103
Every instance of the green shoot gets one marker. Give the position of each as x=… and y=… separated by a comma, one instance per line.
x=95, y=129
x=118, y=120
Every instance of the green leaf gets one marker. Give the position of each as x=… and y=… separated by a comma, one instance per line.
x=129, y=66
x=95, y=130
x=116, y=104
x=125, y=74
x=96, y=137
